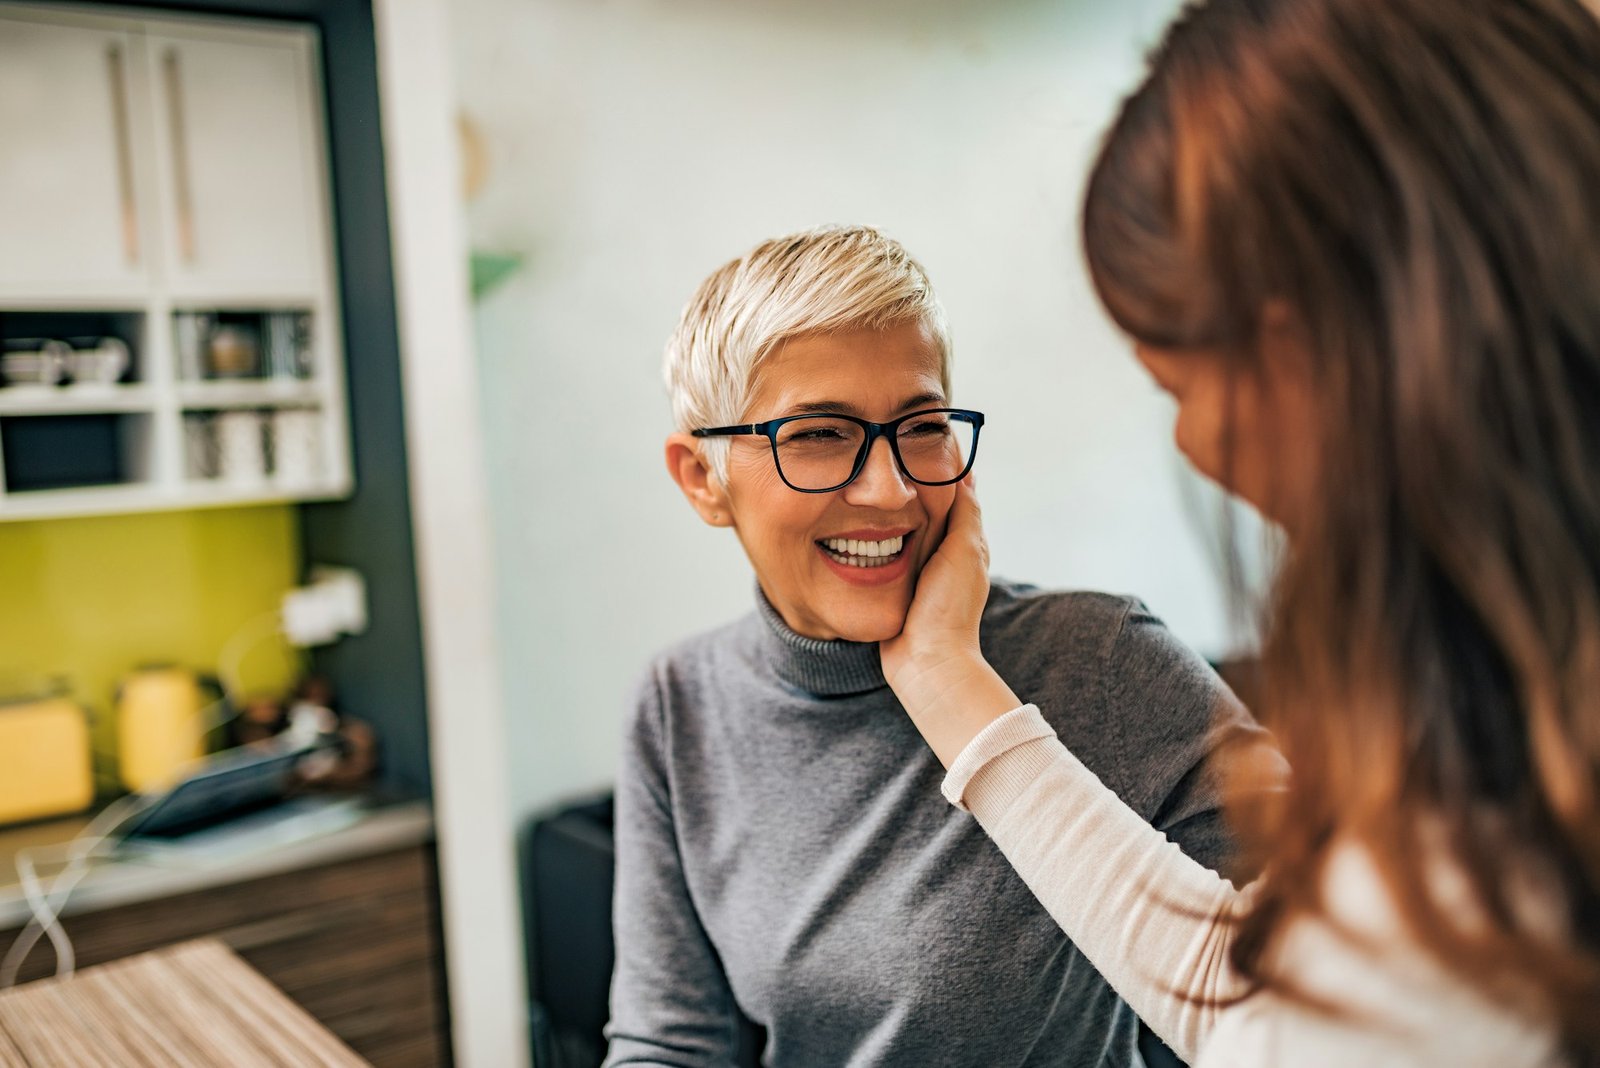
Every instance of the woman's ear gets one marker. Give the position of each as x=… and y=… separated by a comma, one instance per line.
x=699, y=483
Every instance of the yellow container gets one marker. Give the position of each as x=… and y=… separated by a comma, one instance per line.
x=46, y=768
x=161, y=726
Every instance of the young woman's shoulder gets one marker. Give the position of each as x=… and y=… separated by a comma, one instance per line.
x=1393, y=1002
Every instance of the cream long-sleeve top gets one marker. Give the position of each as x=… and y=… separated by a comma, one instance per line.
x=1156, y=925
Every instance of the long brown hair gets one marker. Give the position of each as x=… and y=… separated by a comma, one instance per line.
x=1418, y=181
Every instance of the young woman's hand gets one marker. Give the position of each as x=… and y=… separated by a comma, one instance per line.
x=942, y=623
x=934, y=664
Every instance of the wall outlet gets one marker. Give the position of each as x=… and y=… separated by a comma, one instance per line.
x=332, y=604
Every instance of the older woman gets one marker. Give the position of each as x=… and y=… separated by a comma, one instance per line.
x=782, y=848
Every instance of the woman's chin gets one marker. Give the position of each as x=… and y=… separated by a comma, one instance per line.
x=880, y=634
x=876, y=626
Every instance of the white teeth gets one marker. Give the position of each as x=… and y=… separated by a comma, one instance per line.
x=864, y=553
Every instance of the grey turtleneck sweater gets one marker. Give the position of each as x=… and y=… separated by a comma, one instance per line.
x=783, y=848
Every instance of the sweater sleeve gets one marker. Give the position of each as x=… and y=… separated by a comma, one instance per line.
x=671, y=1006
x=1154, y=922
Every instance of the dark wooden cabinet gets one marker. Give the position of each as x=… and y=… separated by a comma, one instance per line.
x=356, y=942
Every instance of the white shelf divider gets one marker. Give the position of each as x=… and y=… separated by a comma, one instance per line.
x=250, y=393
x=76, y=400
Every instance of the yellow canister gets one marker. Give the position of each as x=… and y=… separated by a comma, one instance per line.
x=46, y=766
x=161, y=726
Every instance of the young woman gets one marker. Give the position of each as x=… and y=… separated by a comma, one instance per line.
x=1359, y=242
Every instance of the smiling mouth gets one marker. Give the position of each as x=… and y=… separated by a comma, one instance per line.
x=854, y=553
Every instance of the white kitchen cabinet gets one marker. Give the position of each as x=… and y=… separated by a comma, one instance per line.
x=75, y=181
x=240, y=158
x=167, y=262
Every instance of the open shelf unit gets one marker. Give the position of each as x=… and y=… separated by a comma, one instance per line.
x=162, y=416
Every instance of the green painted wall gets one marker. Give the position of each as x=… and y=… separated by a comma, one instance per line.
x=87, y=600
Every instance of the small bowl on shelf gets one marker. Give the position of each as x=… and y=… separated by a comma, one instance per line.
x=97, y=362
x=33, y=361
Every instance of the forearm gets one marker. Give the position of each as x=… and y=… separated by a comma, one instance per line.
x=952, y=699
x=670, y=1002
x=670, y=1006
x=1155, y=923
x=655, y=1051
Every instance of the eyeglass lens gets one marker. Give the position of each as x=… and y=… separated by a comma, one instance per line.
x=819, y=452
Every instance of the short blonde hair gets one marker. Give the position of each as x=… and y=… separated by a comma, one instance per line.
x=825, y=279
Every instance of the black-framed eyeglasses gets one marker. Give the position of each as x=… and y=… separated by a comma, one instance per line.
x=823, y=453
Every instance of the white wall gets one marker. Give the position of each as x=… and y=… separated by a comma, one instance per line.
x=477, y=877
x=634, y=146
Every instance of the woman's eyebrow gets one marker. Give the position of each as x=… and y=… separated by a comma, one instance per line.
x=824, y=408
x=846, y=408
x=922, y=400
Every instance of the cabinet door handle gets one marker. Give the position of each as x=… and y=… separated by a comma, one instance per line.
x=180, y=155
x=119, y=119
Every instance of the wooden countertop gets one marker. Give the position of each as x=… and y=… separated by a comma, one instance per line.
x=190, y=1005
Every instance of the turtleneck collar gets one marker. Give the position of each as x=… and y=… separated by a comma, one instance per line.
x=825, y=668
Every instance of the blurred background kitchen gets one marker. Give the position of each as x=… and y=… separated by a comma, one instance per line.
x=331, y=399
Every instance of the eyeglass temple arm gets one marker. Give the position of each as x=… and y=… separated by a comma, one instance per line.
x=729, y=431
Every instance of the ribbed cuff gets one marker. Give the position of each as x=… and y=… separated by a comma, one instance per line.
x=1015, y=728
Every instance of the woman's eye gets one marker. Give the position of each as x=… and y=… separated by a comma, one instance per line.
x=932, y=428
x=824, y=434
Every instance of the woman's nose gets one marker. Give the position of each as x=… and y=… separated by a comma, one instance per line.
x=881, y=483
